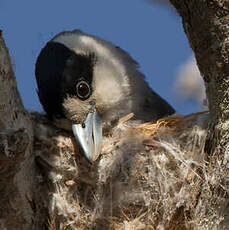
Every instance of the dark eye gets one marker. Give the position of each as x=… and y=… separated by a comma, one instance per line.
x=83, y=90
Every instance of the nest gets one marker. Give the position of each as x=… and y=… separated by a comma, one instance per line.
x=149, y=176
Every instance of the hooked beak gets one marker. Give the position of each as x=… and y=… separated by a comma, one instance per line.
x=89, y=135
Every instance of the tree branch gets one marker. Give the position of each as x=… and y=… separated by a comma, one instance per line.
x=206, y=24
x=16, y=151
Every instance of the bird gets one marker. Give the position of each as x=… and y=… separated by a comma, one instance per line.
x=86, y=84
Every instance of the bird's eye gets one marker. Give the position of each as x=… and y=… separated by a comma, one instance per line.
x=83, y=90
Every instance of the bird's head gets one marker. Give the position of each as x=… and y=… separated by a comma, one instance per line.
x=85, y=83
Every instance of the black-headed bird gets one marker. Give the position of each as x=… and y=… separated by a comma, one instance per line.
x=87, y=84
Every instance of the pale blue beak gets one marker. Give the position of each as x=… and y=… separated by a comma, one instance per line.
x=89, y=136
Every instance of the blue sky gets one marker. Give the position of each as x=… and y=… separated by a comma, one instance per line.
x=151, y=33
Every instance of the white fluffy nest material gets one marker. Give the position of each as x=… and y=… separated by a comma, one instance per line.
x=149, y=176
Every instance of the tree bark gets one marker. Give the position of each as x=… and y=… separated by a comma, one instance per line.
x=206, y=24
x=16, y=152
